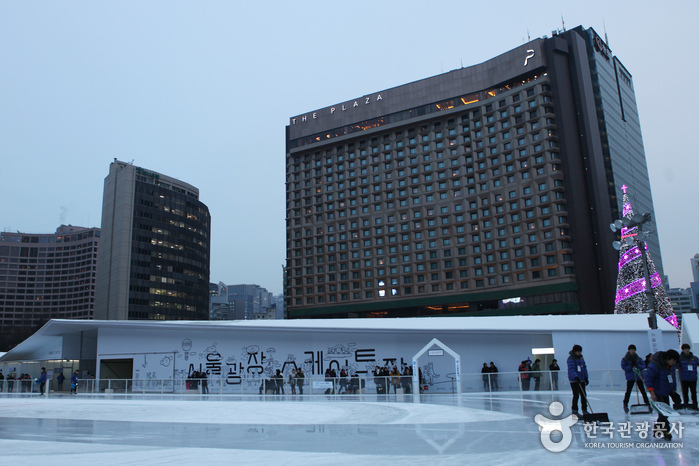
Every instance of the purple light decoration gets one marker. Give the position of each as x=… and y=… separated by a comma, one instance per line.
x=636, y=287
x=627, y=208
x=673, y=320
x=628, y=256
x=624, y=188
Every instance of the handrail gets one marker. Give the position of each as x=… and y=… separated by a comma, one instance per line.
x=605, y=380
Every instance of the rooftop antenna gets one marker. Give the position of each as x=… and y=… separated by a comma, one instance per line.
x=563, y=23
x=606, y=39
x=462, y=63
x=528, y=37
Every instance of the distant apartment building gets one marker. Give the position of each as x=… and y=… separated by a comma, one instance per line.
x=154, y=263
x=47, y=276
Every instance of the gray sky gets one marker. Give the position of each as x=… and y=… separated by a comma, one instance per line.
x=202, y=91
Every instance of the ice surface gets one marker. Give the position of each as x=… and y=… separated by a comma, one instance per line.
x=496, y=428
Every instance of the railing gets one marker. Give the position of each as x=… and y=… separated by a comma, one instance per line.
x=20, y=386
x=600, y=380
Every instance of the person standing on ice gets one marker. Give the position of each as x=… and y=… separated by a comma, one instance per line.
x=524, y=377
x=42, y=381
x=74, y=383
x=486, y=376
x=660, y=382
x=688, y=375
x=628, y=363
x=493, y=376
x=554, y=368
x=300, y=376
x=536, y=374
x=577, y=376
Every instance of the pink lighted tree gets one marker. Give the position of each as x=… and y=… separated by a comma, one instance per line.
x=631, y=285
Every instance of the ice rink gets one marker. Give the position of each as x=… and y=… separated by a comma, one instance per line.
x=486, y=429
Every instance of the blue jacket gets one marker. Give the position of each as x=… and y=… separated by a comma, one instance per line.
x=688, y=367
x=576, y=368
x=659, y=377
x=628, y=362
x=42, y=378
x=73, y=378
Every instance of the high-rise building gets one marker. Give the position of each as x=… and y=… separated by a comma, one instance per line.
x=487, y=190
x=47, y=276
x=681, y=299
x=249, y=300
x=154, y=259
x=694, y=285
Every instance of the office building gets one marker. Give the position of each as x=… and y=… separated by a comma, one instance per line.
x=154, y=263
x=487, y=190
x=681, y=300
x=248, y=300
x=694, y=286
x=46, y=276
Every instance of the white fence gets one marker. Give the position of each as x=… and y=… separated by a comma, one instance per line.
x=603, y=380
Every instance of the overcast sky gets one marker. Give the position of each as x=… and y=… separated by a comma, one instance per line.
x=202, y=91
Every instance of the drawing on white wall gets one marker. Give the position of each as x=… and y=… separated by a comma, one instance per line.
x=186, y=347
x=250, y=352
x=341, y=350
x=428, y=373
x=259, y=361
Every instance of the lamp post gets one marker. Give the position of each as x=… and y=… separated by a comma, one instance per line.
x=637, y=221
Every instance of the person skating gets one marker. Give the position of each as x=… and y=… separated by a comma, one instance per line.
x=688, y=376
x=628, y=363
x=578, y=378
x=660, y=382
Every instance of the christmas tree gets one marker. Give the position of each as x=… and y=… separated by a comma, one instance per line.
x=631, y=295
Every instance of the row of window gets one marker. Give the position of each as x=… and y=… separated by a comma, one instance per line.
x=334, y=296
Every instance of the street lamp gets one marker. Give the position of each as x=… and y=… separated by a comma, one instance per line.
x=637, y=221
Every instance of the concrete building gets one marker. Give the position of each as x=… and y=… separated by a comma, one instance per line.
x=46, y=276
x=487, y=190
x=154, y=263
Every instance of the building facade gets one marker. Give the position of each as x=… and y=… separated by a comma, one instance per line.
x=156, y=255
x=47, y=276
x=694, y=286
x=483, y=191
x=248, y=301
x=681, y=300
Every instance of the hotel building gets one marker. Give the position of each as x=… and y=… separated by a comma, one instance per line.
x=487, y=190
x=47, y=276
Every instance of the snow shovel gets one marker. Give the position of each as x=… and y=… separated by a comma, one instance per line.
x=592, y=417
x=662, y=408
x=639, y=408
